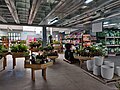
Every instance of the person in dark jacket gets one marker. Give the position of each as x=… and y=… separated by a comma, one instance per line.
x=69, y=53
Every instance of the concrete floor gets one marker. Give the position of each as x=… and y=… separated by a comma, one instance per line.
x=60, y=76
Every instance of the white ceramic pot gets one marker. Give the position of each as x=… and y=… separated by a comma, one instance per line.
x=109, y=63
x=89, y=64
x=98, y=60
x=1, y=64
x=117, y=70
x=107, y=72
x=97, y=70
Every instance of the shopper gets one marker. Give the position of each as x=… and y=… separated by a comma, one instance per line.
x=69, y=53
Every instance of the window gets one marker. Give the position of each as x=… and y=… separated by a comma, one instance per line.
x=13, y=36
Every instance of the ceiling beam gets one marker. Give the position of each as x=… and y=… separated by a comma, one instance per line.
x=78, y=17
x=33, y=11
x=2, y=19
x=11, y=6
x=53, y=10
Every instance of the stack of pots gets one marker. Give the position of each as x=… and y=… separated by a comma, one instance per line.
x=97, y=65
x=100, y=67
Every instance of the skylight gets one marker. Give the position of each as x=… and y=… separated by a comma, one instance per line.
x=88, y=1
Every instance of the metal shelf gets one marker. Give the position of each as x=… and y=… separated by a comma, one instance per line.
x=114, y=45
x=112, y=37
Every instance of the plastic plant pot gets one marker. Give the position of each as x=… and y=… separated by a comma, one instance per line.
x=107, y=72
x=90, y=64
x=108, y=63
x=117, y=70
x=98, y=60
x=97, y=70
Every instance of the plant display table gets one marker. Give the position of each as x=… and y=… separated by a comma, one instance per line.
x=4, y=61
x=16, y=55
x=58, y=47
x=34, y=50
x=53, y=58
x=34, y=67
x=83, y=58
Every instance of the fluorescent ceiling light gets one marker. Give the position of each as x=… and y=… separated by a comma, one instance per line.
x=105, y=22
x=52, y=21
x=88, y=1
x=113, y=24
x=83, y=7
x=105, y=25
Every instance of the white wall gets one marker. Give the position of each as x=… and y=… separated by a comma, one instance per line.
x=25, y=34
x=3, y=33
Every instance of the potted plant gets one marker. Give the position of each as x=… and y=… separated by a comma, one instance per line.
x=39, y=59
x=40, y=48
x=53, y=53
x=19, y=49
x=3, y=51
x=49, y=48
x=32, y=44
x=56, y=42
x=26, y=55
x=118, y=85
x=23, y=42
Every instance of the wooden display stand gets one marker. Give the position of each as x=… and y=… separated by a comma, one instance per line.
x=34, y=67
x=53, y=58
x=34, y=50
x=5, y=61
x=58, y=47
x=16, y=55
x=82, y=59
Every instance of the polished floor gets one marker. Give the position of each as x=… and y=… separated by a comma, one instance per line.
x=60, y=76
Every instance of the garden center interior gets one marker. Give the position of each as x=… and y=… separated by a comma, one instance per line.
x=73, y=44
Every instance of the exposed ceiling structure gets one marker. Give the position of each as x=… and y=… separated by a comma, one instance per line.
x=59, y=13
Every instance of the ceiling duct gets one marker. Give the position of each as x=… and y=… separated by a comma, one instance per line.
x=77, y=17
x=53, y=10
x=2, y=19
x=11, y=6
x=34, y=9
x=23, y=7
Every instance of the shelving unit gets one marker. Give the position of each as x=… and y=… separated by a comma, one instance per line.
x=4, y=41
x=113, y=45
x=110, y=38
x=86, y=40
x=74, y=38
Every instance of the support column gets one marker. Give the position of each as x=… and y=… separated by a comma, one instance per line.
x=44, y=36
